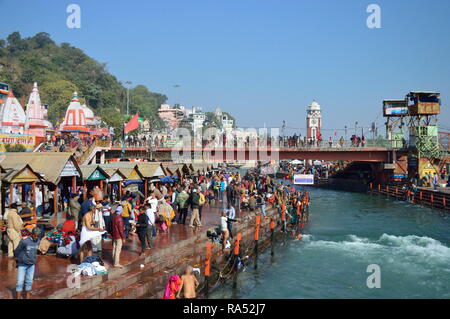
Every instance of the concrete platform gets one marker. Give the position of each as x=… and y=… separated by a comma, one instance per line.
x=51, y=271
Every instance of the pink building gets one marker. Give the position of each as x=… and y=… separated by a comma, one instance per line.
x=172, y=115
x=36, y=114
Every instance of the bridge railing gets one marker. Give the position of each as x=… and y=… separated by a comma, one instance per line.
x=291, y=144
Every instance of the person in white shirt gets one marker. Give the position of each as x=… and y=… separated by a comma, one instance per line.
x=153, y=201
x=231, y=214
x=150, y=212
x=39, y=207
x=224, y=228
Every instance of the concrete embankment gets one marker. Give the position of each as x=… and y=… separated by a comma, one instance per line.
x=134, y=281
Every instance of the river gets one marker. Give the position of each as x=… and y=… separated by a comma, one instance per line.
x=346, y=233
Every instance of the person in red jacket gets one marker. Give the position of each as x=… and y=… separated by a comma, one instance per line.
x=118, y=233
x=69, y=225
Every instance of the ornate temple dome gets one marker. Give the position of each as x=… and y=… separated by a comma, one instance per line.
x=314, y=106
x=75, y=119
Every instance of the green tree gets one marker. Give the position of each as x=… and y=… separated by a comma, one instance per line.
x=147, y=104
x=62, y=69
x=58, y=94
x=113, y=118
x=15, y=148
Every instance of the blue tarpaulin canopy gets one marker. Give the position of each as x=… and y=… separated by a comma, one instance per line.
x=132, y=181
x=168, y=179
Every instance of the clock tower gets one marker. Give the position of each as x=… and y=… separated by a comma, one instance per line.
x=313, y=121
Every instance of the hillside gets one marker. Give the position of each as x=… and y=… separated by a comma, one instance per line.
x=62, y=69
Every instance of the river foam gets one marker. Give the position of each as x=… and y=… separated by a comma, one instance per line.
x=412, y=248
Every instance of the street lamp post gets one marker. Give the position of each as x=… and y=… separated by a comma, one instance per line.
x=128, y=96
x=177, y=86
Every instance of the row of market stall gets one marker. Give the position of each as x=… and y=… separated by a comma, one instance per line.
x=48, y=179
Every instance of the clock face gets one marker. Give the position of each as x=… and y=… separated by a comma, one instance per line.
x=314, y=122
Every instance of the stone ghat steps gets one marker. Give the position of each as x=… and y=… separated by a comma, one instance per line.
x=153, y=286
x=138, y=281
x=119, y=278
x=134, y=282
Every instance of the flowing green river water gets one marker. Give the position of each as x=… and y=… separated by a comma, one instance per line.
x=346, y=233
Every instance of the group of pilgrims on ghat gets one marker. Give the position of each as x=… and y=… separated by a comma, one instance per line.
x=93, y=217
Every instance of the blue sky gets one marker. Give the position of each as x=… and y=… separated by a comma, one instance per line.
x=262, y=61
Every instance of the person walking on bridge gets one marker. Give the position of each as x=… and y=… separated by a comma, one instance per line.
x=435, y=181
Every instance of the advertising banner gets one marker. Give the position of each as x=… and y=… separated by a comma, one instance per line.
x=28, y=141
x=393, y=108
x=304, y=179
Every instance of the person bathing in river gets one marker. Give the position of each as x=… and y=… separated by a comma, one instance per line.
x=188, y=284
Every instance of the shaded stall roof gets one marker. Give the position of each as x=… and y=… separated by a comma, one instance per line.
x=113, y=171
x=150, y=169
x=201, y=168
x=51, y=166
x=171, y=169
x=21, y=175
x=129, y=169
x=88, y=172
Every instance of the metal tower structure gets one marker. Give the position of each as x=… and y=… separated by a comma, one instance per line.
x=395, y=112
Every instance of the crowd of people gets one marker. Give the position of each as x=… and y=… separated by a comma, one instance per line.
x=91, y=222
x=249, y=140
x=70, y=143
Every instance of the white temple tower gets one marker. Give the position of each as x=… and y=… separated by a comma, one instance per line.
x=35, y=114
x=75, y=120
x=313, y=121
x=12, y=116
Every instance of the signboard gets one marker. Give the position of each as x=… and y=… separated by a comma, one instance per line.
x=69, y=170
x=413, y=163
x=395, y=108
x=304, y=179
x=115, y=178
x=171, y=143
x=28, y=141
x=96, y=175
x=398, y=177
x=133, y=188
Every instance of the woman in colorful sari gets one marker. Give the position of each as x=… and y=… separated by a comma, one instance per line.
x=172, y=287
x=166, y=214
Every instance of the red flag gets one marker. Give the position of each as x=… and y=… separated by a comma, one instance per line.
x=133, y=124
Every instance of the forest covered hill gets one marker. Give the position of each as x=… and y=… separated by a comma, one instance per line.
x=62, y=69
